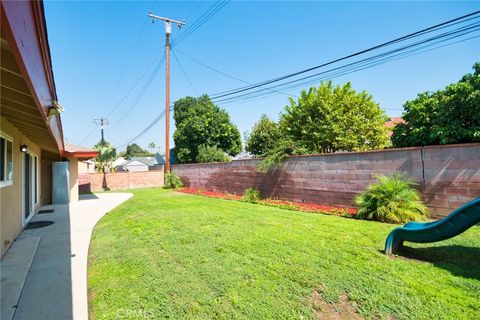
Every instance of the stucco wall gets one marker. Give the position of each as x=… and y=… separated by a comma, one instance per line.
x=73, y=170
x=11, y=196
x=448, y=176
x=85, y=167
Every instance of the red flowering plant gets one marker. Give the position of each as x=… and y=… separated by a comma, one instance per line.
x=282, y=204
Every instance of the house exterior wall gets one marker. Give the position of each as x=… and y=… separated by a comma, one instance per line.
x=73, y=170
x=136, y=166
x=11, y=197
x=448, y=176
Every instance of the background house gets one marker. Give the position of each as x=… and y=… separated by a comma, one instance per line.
x=139, y=163
x=86, y=166
x=132, y=166
x=390, y=124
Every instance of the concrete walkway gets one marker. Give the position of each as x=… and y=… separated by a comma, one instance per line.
x=44, y=274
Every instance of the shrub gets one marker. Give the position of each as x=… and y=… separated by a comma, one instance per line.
x=172, y=181
x=211, y=154
x=251, y=195
x=392, y=199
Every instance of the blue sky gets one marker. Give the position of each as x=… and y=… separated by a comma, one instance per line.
x=101, y=49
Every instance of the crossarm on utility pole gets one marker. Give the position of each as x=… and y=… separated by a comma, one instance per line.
x=177, y=22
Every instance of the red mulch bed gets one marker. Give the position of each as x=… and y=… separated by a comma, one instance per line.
x=305, y=207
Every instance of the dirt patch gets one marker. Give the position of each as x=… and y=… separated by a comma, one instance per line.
x=342, y=309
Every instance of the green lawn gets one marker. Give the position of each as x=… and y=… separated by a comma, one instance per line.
x=169, y=255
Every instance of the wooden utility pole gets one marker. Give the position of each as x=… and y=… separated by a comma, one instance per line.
x=168, y=31
x=102, y=121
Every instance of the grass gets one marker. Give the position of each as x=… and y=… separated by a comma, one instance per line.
x=168, y=255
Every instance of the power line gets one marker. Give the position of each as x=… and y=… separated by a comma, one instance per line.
x=368, y=63
x=445, y=36
x=396, y=40
x=201, y=20
x=87, y=136
x=207, y=15
x=212, y=68
x=125, y=96
x=124, y=70
x=184, y=72
x=388, y=56
x=142, y=92
x=122, y=75
x=351, y=65
x=201, y=3
x=224, y=73
x=154, y=122
x=235, y=100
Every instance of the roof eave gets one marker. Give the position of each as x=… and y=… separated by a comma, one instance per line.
x=81, y=155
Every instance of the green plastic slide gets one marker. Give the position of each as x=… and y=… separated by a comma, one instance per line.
x=452, y=225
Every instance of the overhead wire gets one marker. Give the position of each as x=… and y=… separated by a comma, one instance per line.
x=184, y=72
x=459, y=32
x=342, y=73
x=388, y=56
x=260, y=96
x=145, y=130
x=123, y=98
x=141, y=92
x=396, y=40
x=224, y=73
x=212, y=68
x=207, y=15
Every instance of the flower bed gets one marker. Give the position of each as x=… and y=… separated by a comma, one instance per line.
x=289, y=205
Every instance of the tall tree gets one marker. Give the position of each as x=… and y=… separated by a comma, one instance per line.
x=106, y=155
x=151, y=146
x=200, y=122
x=134, y=150
x=265, y=134
x=333, y=118
x=446, y=116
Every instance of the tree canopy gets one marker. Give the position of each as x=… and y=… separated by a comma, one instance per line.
x=328, y=119
x=263, y=138
x=106, y=155
x=332, y=118
x=200, y=122
x=446, y=116
x=134, y=150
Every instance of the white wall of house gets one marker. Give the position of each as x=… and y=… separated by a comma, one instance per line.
x=136, y=166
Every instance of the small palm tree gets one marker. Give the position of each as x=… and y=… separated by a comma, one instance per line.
x=392, y=199
x=151, y=146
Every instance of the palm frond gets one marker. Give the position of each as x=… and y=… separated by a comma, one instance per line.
x=392, y=199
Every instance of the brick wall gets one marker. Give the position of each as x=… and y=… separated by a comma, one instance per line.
x=119, y=180
x=448, y=176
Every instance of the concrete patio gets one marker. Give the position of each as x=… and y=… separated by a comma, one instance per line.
x=44, y=274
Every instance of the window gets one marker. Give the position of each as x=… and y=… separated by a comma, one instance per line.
x=6, y=161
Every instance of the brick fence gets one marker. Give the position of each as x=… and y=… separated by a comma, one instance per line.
x=91, y=182
x=448, y=176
